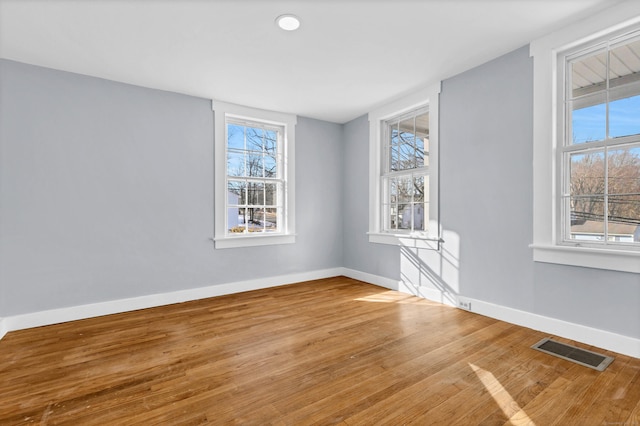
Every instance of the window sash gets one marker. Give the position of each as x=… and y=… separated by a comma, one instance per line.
x=406, y=214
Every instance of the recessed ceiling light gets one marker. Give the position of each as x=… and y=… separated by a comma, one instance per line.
x=288, y=22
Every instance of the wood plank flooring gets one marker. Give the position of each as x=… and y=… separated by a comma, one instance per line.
x=333, y=351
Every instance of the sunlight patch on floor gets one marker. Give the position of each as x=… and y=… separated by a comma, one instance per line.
x=395, y=297
x=507, y=404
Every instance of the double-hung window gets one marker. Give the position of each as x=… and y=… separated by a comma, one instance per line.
x=404, y=178
x=405, y=173
x=586, y=142
x=253, y=176
x=599, y=155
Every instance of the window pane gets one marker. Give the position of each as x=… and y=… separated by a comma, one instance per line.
x=419, y=188
x=255, y=165
x=587, y=218
x=255, y=192
x=271, y=154
x=255, y=217
x=259, y=218
x=271, y=219
x=422, y=158
x=236, y=192
x=235, y=163
x=406, y=157
x=419, y=217
x=624, y=171
x=623, y=208
x=588, y=74
x=234, y=219
x=271, y=194
x=588, y=119
x=270, y=166
x=624, y=116
x=587, y=174
x=395, y=217
x=407, y=144
x=255, y=140
x=404, y=221
x=235, y=136
x=270, y=141
x=237, y=220
x=235, y=224
x=402, y=188
x=422, y=140
x=390, y=191
x=624, y=63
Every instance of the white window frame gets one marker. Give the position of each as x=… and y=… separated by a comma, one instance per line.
x=222, y=113
x=427, y=97
x=547, y=243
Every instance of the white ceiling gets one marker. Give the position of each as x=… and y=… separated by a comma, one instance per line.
x=348, y=57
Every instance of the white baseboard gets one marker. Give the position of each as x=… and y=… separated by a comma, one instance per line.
x=371, y=279
x=591, y=336
x=580, y=333
x=55, y=316
x=3, y=329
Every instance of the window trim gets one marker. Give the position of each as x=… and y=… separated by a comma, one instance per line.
x=222, y=239
x=546, y=245
x=428, y=96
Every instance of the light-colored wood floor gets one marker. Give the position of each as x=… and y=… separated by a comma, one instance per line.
x=334, y=351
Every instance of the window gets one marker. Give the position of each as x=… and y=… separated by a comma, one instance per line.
x=405, y=172
x=254, y=166
x=599, y=155
x=586, y=142
x=403, y=181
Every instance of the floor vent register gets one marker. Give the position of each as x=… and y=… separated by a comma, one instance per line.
x=571, y=353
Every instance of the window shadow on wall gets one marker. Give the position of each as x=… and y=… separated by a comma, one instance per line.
x=432, y=273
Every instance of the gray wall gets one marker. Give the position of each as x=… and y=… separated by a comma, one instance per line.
x=377, y=259
x=486, y=139
x=486, y=182
x=106, y=192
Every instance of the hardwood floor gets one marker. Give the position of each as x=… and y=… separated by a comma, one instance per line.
x=333, y=351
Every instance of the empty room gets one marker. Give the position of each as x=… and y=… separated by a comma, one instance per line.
x=355, y=212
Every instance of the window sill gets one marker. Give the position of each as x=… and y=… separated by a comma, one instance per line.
x=405, y=240
x=253, y=240
x=588, y=257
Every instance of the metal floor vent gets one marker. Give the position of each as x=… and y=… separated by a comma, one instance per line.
x=571, y=353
